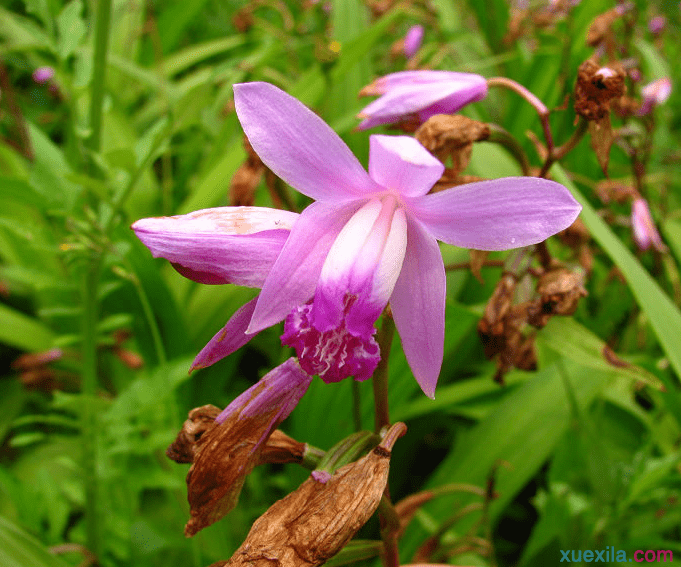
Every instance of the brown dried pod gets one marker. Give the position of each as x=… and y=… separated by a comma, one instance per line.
x=445, y=135
x=246, y=178
x=601, y=28
x=560, y=291
x=491, y=327
x=280, y=448
x=37, y=359
x=478, y=258
x=613, y=190
x=227, y=452
x=312, y=524
x=596, y=87
x=200, y=420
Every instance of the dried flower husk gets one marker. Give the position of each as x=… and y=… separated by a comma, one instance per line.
x=446, y=135
x=560, y=291
x=312, y=524
x=596, y=87
x=200, y=420
x=229, y=450
x=246, y=179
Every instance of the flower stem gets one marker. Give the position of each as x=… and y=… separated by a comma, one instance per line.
x=102, y=23
x=89, y=426
x=538, y=105
x=500, y=136
x=556, y=154
x=356, y=406
x=380, y=378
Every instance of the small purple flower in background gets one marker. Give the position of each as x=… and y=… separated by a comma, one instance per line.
x=369, y=239
x=657, y=25
x=43, y=74
x=413, y=40
x=645, y=233
x=422, y=94
x=655, y=93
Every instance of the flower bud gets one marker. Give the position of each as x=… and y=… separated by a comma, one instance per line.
x=312, y=524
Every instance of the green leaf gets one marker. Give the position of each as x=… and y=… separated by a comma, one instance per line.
x=521, y=432
x=19, y=549
x=182, y=60
x=566, y=336
x=71, y=28
x=22, y=331
x=663, y=315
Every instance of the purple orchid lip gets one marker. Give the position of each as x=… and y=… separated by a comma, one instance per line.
x=420, y=93
x=324, y=271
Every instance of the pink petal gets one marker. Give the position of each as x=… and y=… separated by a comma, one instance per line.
x=275, y=395
x=223, y=245
x=499, y=214
x=361, y=268
x=299, y=146
x=413, y=40
x=418, y=305
x=402, y=164
x=293, y=278
x=404, y=100
x=229, y=339
x=421, y=77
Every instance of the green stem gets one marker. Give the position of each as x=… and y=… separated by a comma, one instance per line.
x=380, y=378
x=504, y=138
x=102, y=23
x=356, y=406
x=90, y=284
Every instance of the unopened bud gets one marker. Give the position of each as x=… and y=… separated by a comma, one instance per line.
x=312, y=524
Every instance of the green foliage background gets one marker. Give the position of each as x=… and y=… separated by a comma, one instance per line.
x=586, y=453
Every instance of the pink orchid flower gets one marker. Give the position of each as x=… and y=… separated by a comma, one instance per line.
x=419, y=94
x=655, y=93
x=413, y=40
x=368, y=239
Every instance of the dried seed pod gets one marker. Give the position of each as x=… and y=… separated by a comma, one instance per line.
x=200, y=420
x=227, y=452
x=246, y=179
x=312, y=524
x=445, y=135
x=596, y=87
x=560, y=291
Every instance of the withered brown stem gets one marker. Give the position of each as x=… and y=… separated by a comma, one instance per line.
x=466, y=265
x=556, y=154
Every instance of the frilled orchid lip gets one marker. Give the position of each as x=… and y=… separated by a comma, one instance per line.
x=399, y=260
x=419, y=93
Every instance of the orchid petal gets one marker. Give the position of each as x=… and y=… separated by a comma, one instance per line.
x=402, y=164
x=293, y=277
x=499, y=214
x=420, y=77
x=361, y=268
x=401, y=101
x=229, y=339
x=299, y=146
x=222, y=245
x=275, y=395
x=418, y=306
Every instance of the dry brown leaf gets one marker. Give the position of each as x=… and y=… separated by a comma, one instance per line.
x=312, y=524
